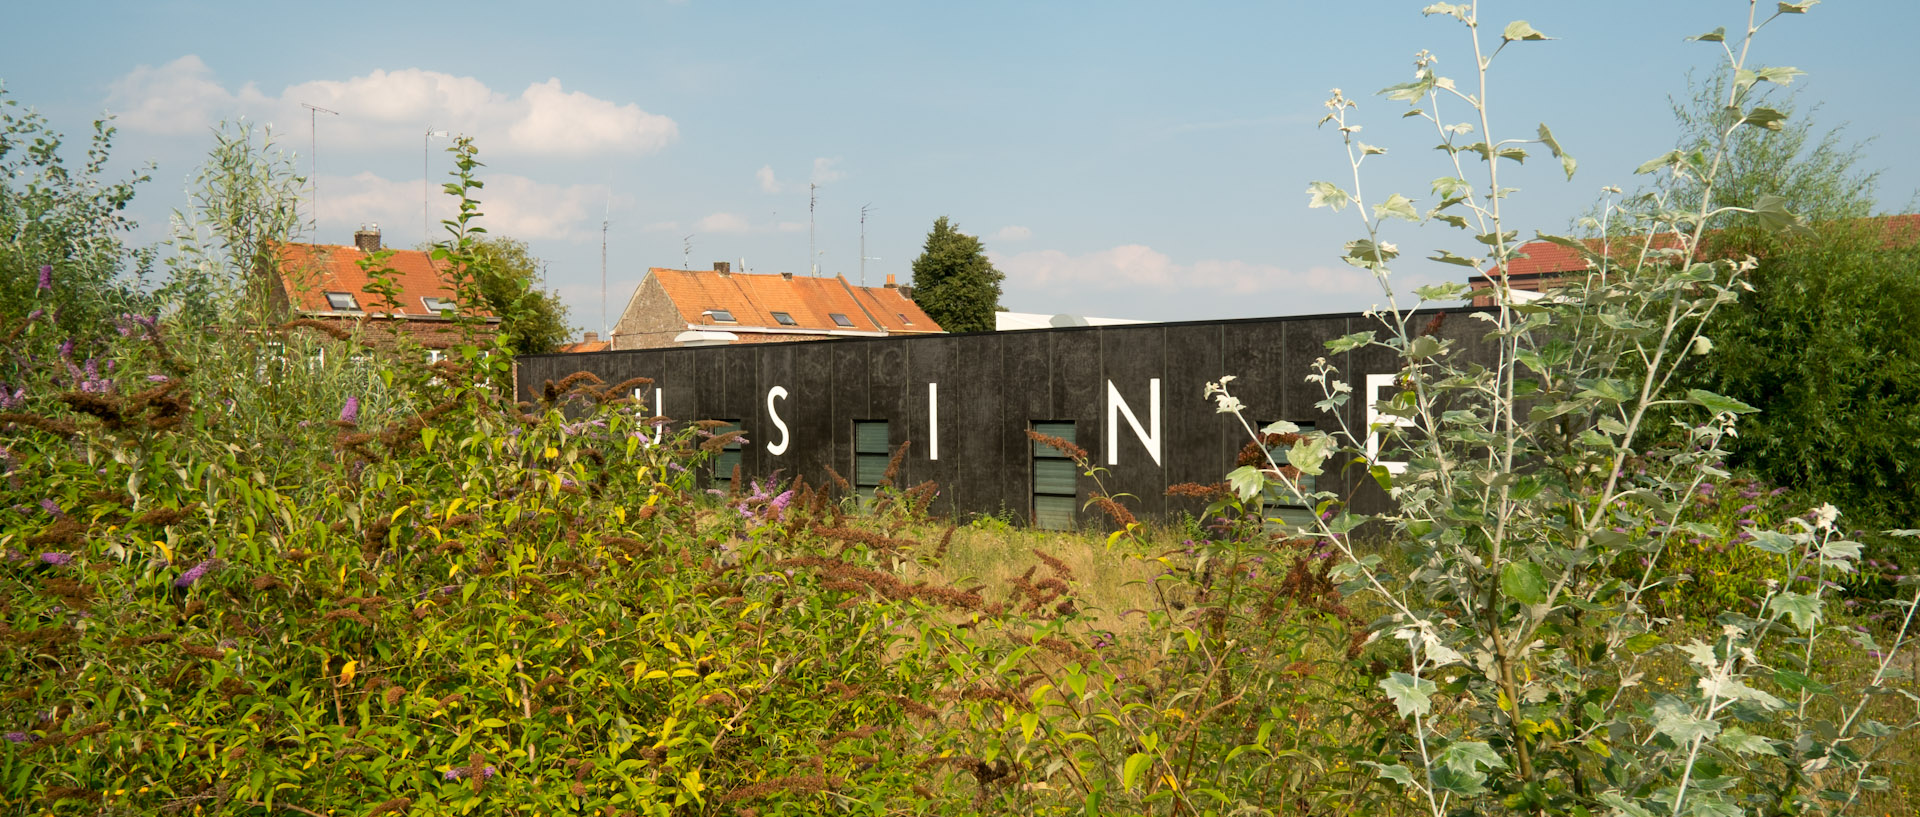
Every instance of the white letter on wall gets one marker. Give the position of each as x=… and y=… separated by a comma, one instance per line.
x=1376, y=382
x=1117, y=407
x=780, y=447
x=657, y=410
x=933, y=421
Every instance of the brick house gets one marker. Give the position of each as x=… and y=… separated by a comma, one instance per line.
x=326, y=283
x=673, y=307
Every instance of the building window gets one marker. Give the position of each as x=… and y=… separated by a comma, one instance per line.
x=841, y=320
x=1282, y=507
x=1055, y=478
x=721, y=316
x=436, y=306
x=729, y=459
x=906, y=320
x=783, y=319
x=870, y=457
x=343, y=302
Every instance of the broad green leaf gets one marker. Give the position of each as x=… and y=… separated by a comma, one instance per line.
x=1029, y=722
x=1778, y=75
x=1718, y=404
x=1466, y=755
x=1308, y=453
x=1456, y=10
x=1737, y=740
x=1625, y=806
x=1771, y=541
x=1523, y=582
x=1685, y=727
x=1764, y=117
x=1773, y=215
x=1465, y=783
x=1671, y=157
x=1796, y=683
x=1247, y=481
x=1280, y=427
x=1395, y=772
x=1796, y=8
x=1717, y=35
x=1520, y=30
x=1412, y=696
x=1325, y=194
x=1446, y=257
x=1366, y=251
x=1137, y=764
x=1346, y=343
x=1803, y=609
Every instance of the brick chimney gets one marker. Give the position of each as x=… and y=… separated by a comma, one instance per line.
x=367, y=238
x=722, y=267
x=786, y=276
x=890, y=283
x=592, y=337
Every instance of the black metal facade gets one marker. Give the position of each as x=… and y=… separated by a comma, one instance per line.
x=968, y=430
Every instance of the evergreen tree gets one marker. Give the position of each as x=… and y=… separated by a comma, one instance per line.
x=954, y=282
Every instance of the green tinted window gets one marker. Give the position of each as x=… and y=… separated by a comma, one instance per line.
x=870, y=456
x=1055, y=480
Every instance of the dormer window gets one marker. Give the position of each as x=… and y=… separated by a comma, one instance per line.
x=904, y=319
x=437, y=306
x=342, y=302
x=721, y=316
x=783, y=319
x=841, y=320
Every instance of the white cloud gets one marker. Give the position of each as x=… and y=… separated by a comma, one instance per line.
x=824, y=171
x=1013, y=232
x=1140, y=267
x=768, y=183
x=511, y=206
x=388, y=107
x=722, y=223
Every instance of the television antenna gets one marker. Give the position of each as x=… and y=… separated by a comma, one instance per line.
x=426, y=219
x=864, y=257
x=313, y=156
x=686, y=251
x=606, y=216
x=813, y=257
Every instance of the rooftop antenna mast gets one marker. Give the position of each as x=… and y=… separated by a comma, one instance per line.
x=686, y=251
x=605, y=218
x=426, y=217
x=864, y=258
x=813, y=259
x=313, y=156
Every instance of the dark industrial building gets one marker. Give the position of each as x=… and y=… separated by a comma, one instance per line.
x=1132, y=395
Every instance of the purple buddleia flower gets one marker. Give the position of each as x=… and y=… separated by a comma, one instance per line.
x=157, y=378
x=194, y=574
x=50, y=506
x=46, y=277
x=350, y=412
x=780, y=503
x=461, y=773
x=66, y=348
x=19, y=737
x=57, y=558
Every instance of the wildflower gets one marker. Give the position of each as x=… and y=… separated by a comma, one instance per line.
x=46, y=277
x=194, y=574
x=1747, y=508
x=49, y=506
x=156, y=378
x=56, y=558
x=1826, y=514
x=461, y=773
x=19, y=737
x=350, y=412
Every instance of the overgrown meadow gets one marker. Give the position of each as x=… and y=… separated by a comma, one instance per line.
x=249, y=566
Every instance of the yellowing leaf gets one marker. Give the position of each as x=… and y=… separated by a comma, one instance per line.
x=347, y=672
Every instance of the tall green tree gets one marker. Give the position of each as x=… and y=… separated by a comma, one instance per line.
x=954, y=282
x=245, y=201
x=511, y=281
x=1824, y=344
x=62, y=227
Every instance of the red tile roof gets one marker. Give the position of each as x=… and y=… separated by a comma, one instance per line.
x=310, y=271
x=1545, y=258
x=586, y=346
x=809, y=302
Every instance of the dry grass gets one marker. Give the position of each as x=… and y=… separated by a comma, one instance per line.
x=1110, y=586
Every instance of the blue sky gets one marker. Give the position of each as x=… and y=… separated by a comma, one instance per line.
x=1142, y=160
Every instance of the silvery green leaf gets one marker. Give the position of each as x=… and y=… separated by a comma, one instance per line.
x=1771, y=541
x=1460, y=782
x=1796, y=8
x=1700, y=652
x=1718, y=404
x=1802, y=609
x=1247, y=481
x=1325, y=194
x=1737, y=740
x=1765, y=118
x=1841, y=550
x=1396, y=206
x=1308, y=453
x=1520, y=30
x=1622, y=805
x=1466, y=755
x=1715, y=36
x=1412, y=696
x=1685, y=727
x=1773, y=215
x=1671, y=157
x=1280, y=427
x=1566, y=162
x=1395, y=772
